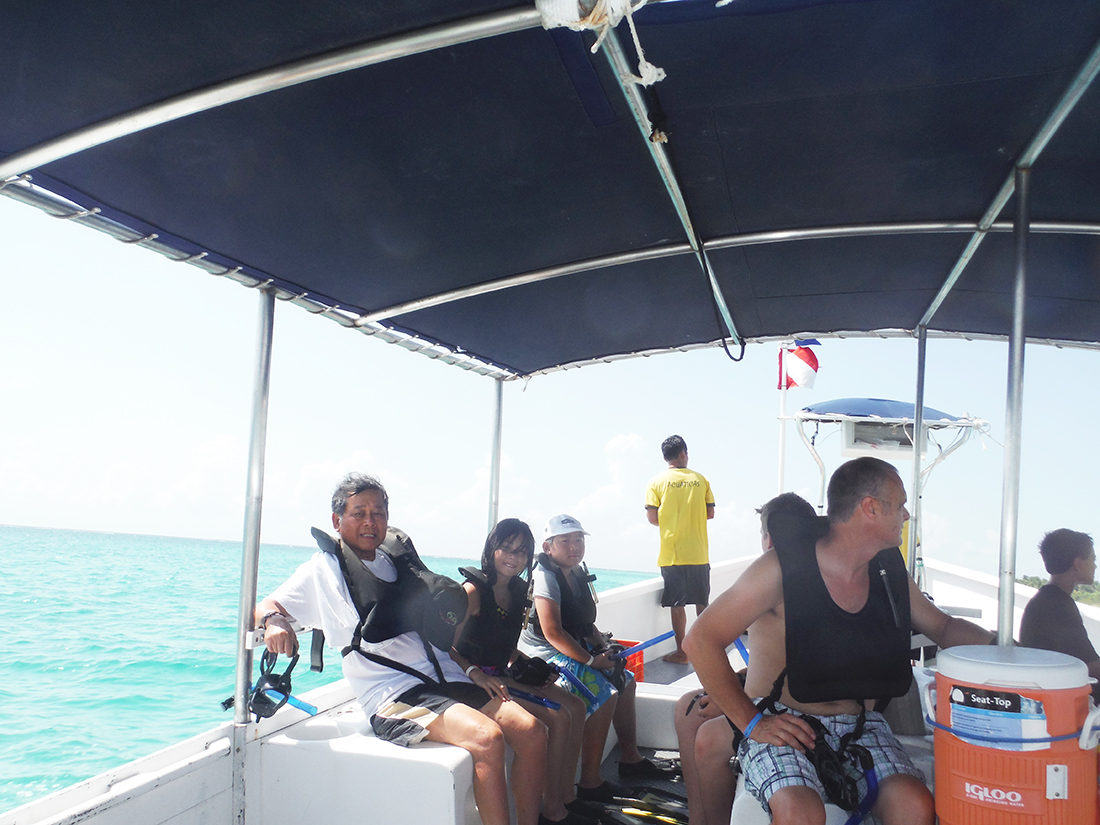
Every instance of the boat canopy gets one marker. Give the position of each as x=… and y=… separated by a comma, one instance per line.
x=877, y=409
x=452, y=177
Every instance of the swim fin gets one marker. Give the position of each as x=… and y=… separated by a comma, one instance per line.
x=624, y=810
x=607, y=813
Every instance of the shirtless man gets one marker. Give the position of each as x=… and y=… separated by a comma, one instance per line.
x=851, y=623
x=703, y=733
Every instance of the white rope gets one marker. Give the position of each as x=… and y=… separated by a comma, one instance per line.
x=603, y=16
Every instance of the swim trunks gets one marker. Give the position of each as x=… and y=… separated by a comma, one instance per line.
x=768, y=768
x=596, y=682
x=686, y=584
x=405, y=720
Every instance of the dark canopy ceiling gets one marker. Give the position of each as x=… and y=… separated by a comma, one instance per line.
x=889, y=126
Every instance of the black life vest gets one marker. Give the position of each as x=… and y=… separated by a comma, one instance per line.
x=418, y=601
x=489, y=638
x=578, y=608
x=833, y=654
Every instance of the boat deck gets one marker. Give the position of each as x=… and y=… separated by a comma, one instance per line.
x=666, y=673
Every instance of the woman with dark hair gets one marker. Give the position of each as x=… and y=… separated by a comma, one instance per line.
x=485, y=647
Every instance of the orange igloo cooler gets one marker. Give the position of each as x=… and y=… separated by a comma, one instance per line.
x=1008, y=743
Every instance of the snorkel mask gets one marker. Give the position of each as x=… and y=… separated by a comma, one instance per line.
x=261, y=701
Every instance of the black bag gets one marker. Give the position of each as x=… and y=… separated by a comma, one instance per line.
x=530, y=671
x=440, y=609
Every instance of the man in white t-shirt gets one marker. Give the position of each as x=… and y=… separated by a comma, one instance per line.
x=403, y=708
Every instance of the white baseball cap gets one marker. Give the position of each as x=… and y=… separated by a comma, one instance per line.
x=560, y=525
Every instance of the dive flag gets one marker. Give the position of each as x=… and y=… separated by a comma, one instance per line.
x=801, y=367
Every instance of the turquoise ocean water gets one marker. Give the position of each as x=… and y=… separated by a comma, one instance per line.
x=117, y=645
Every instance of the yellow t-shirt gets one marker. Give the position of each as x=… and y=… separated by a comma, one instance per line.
x=681, y=497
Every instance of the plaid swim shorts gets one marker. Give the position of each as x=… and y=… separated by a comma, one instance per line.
x=768, y=768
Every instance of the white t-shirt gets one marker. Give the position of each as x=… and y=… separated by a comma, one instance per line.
x=317, y=596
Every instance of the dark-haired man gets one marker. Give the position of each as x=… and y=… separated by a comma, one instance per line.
x=679, y=502
x=403, y=708
x=848, y=605
x=703, y=733
x=1051, y=619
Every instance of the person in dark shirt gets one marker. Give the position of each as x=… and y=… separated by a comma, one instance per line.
x=1051, y=619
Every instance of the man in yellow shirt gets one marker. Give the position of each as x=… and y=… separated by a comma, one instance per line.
x=679, y=502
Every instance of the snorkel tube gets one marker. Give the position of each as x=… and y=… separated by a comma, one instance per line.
x=577, y=683
x=538, y=700
x=630, y=651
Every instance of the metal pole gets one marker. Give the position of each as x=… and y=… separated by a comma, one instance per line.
x=782, y=414
x=1010, y=497
x=254, y=493
x=269, y=80
x=617, y=58
x=918, y=428
x=494, y=467
x=1066, y=103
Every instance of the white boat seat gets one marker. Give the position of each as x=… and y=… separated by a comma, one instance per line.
x=332, y=768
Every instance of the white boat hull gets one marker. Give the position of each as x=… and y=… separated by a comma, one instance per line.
x=302, y=770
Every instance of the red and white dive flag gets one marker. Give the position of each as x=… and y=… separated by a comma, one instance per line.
x=801, y=366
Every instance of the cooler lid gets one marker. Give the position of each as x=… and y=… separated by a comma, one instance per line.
x=1019, y=667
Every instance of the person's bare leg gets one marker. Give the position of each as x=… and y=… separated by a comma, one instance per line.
x=904, y=799
x=718, y=785
x=592, y=743
x=573, y=705
x=679, y=628
x=797, y=805
x=483, y=739
x=687, y=727
x=625, y=721
x=527, y=737
x=557, y=784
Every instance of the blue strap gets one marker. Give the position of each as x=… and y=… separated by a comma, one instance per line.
x=1042, y=740
x=868, y=801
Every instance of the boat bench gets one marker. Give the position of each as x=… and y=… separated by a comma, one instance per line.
x=332, y=768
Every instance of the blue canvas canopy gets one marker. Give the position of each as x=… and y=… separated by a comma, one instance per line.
x=878, y=409
x=449, y=175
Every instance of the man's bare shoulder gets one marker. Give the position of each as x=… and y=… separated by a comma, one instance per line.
x=758, y=590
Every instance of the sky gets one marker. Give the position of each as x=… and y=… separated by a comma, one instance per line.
x=126, y=391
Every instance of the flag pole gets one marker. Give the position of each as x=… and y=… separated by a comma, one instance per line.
x=782, y=412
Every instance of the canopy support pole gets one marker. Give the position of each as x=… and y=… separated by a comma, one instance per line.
x=820, y=467
x=494, y=462
x=1066, y=103
x=254, y=494
x=616, y=57
x=918, y=431
x=1010, y=496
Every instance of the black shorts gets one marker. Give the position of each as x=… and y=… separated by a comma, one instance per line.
x=404, y=720
x=686, y=584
